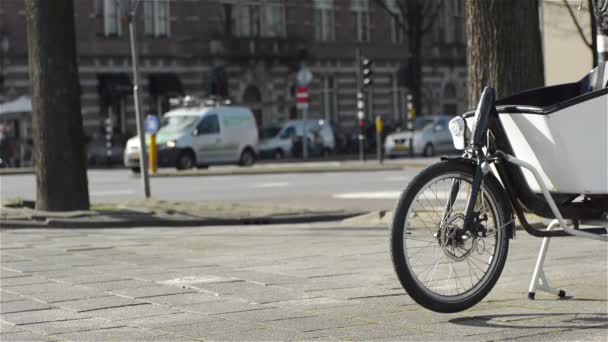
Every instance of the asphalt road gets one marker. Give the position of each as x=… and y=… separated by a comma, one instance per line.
x=356, y=190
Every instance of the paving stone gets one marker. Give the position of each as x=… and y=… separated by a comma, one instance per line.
x=152, y=291
x=42, y=316
x=21, y=306
x=89, y=304
x=6, y=297
x=305, y=324
x=58, y=327
x=265, y=278
x=200, y=281
x=312, y=303
x=226, y=306
x=358, y=292
x=5, y=274
x=68, y=293
x=57, y=275
x=6, y=328
x=92, y=278
x=263, y=315
x=38, y=288
x=265, y=334
x=595, y=335
x=367, y=332
x=162, y=321
x=184, y=299
x=202, y=329
x=118, y=284
x=114, y=334
x=135, y=311
x=34, y=266
x=25, y=336
x=8, y=283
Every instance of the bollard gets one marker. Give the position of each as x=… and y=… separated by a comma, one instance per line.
x=153, y=160
x=379, y=129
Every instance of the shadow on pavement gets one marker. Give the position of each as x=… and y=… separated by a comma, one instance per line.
x=537, y=321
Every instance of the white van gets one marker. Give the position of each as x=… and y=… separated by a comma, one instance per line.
x=201, y=136
x=281, y=144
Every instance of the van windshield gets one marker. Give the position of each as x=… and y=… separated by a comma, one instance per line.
x=177, y=123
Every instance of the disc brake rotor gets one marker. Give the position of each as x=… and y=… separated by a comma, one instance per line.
x=456, y=242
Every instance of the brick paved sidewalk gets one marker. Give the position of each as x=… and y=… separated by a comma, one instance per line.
x=293, y=282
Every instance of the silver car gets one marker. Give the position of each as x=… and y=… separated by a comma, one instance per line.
x=430, y=136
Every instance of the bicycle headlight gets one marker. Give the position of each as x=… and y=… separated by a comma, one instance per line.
x=457, y=128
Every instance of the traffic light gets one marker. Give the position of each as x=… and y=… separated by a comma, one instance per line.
x=366, y=71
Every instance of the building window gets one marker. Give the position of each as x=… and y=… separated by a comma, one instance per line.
x=259, y=18
x=325, y=27
x=458, y=18
x=360, y=10
x=273, y=19
x=112, y=23
x=396, y=30
x=156, y=18
x=330, y=99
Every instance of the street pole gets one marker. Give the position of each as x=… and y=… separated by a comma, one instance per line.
x=411, y=116
x=360, y=99
x=305, y=133
x=143, y=155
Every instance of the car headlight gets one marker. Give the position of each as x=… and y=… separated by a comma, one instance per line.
x=171, y=143
x=457, y=128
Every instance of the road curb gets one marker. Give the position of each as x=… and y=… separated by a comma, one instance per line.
x=302, y=170
x=160, y=222
x=16, y=171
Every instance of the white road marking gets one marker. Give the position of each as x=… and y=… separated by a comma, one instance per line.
x=112, y=192
x=369, y=195
x=269, y=185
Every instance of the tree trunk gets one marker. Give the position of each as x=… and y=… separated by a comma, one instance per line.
x=504, y=47
x=61, y=177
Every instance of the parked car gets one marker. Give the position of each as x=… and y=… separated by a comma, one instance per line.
x=430, y=136
x=320, y=136
x=202, y=136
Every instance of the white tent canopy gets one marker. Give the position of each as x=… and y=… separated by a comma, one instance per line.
x=22, y=104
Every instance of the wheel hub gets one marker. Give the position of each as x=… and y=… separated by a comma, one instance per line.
x=455, y=241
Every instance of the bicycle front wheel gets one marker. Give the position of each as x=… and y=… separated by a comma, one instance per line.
x=443, y=266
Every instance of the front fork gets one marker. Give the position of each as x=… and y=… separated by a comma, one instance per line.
x=481, y=170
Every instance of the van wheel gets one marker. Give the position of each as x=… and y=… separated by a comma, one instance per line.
x=185, y=160
x=135, y=170
x=429, y=150
x=247, y=158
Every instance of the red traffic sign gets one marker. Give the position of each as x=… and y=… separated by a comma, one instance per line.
x=303, y=95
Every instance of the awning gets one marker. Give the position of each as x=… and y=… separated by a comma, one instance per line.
x=164, y=84
x=22, y=104
x=114, y=84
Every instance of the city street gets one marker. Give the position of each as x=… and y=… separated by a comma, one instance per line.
x=344, y=190
x=328, y=282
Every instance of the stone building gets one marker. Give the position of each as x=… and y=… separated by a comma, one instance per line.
x=249, y=51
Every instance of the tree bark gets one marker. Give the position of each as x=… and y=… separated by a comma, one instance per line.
x=504, y=47
x=61, y=177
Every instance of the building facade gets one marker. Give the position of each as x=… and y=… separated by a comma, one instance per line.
x=248, y=51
